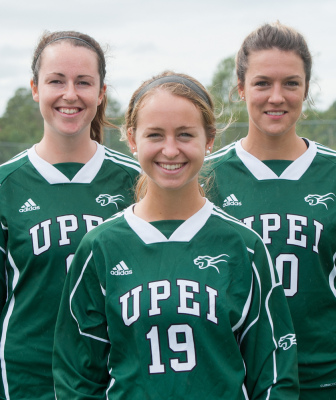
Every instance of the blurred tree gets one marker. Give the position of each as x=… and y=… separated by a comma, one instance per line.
x=228, y=106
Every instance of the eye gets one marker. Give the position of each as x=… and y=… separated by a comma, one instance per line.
x=83, y=83
x=261, y=83
x=185, y=135
x=292, y=83
x=154, y=135
x=55, y=81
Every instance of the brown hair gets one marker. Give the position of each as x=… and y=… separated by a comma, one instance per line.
x=277, y=36
x=81, y=40
x=201, y=99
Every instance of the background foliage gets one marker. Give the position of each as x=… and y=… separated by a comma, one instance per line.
x=22, y=125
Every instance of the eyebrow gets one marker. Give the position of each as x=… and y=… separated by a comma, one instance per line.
x=63, y=76
x=287, y=77
x=180, y=128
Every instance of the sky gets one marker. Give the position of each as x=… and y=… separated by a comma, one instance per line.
x=145, y=37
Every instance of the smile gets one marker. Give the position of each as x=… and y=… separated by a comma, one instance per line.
x=275, y=113
x=170, y=167
x=68, y=111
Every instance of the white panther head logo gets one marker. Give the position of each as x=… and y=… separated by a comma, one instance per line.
x=286, y=342
x=206, y=261
x=105, y=199
x=314, y=199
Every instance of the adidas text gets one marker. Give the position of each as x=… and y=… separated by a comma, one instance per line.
x=29, y=205
x=231, y=201
x=121, y=269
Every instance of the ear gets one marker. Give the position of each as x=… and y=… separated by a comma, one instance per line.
x=306, y=92
x=101, y=95
x=240, y=87
x=131, y=139
x=34, y=90
x=210, y=144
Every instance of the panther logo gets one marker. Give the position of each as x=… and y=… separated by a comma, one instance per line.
x=105, y=199
x=286, y=342
x=206, y=261
x=314, y=199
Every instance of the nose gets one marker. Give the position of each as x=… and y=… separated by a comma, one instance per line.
x=70, y=93
x=276, y=95
x=170, y=148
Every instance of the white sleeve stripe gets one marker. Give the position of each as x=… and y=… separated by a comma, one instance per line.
x=5, y=327
x=256, y=319
x=5, y=228
x=127, y=164
x=245, y=310
x=18, y=157
x=71, y=297
x=103, y=290
x=1, y=249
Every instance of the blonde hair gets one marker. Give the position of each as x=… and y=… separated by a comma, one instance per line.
x=200, y=98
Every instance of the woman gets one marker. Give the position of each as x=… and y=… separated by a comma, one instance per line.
x=172, y=298
x=50, y=196
x=283, y=186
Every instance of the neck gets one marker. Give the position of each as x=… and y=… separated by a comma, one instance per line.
x=71, y=149
x=274, y=147
x=169, y=205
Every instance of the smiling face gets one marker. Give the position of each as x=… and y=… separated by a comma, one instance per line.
x=274, y=91
x=170, y=140
x=68, y=89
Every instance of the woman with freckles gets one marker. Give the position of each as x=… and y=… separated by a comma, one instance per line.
x=50, y=196
x=283, y=186
x=172, y=298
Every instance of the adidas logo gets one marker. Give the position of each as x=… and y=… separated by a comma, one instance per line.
x=121, y=269
x=29, y=205
x=231, y=201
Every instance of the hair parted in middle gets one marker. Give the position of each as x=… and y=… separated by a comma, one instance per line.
x=200, y=98
x=77, y=39
x=278, y=36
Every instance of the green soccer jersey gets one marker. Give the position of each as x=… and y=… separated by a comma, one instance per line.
x=294, y=211
x=195, y=313
x=44, y=214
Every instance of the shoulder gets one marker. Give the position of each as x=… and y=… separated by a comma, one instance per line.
x=235, y=227
x=13, y=165
x=325, y=152
x=122, y=161
x=106, y=229
x=220, y=156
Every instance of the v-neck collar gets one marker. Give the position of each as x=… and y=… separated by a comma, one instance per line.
x=53, y=176
x=184, y=233
x=261, y=171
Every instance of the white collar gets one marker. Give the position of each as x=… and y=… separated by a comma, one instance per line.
x=184, y=233
x=261, y=171
x=52, y=175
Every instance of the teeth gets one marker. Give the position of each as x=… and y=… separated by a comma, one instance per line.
x=69, y=110
x=275, y=113
x=170, y=166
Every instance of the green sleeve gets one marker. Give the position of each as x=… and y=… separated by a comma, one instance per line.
x=81, y=343
x=268, y=342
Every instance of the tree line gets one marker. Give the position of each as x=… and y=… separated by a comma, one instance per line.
x=22, y=125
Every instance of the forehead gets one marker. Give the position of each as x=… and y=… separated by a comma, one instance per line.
x=64, y=53
x=161, y=104
x=274, y=61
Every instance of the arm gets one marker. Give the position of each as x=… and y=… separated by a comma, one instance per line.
x=271, y=365
x=3, y=280
x=81, y=343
